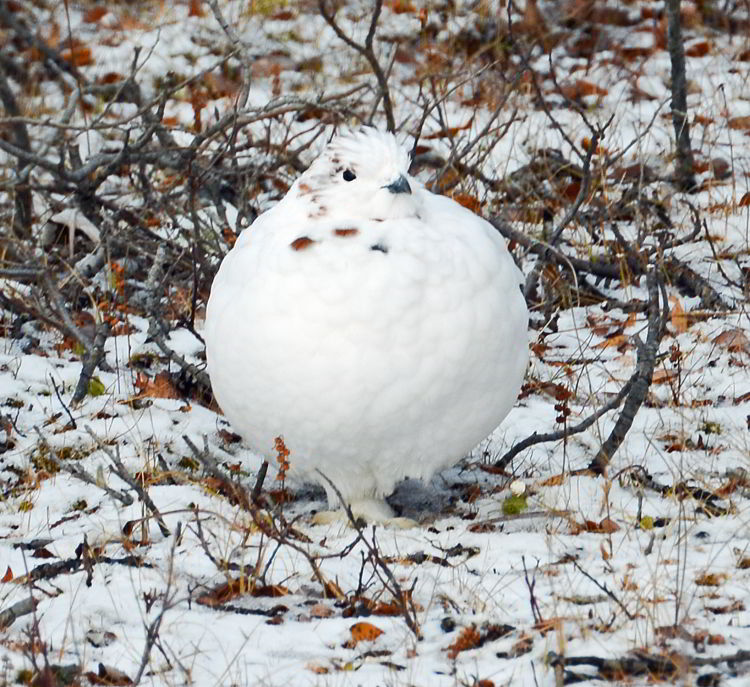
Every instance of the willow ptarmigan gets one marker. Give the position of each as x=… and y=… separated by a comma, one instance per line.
x=378, y=328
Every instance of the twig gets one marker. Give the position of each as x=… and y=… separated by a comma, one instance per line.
x=152, y=630
x=75, y=470
x=233, y=490
x=530, y=584
x=246, y=75
x=157, y=329
x=533, y=277
x=401, y=597
x=367, y=52
x=657, y=321
x=122, y=472
x=94, y=356
x=605, y=589
x=259, y=481
x=23, y=200
x=536, y=438
x=62, y=403
x=275, y=528
x=9, y=615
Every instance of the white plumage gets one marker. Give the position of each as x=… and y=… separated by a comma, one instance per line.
x=375, y=326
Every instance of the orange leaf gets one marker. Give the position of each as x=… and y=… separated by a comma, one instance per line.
x=698, y=49
x=315, y=668
x=78, y=55
x=401, y=7
x=607, y=525
x=468, y=639
x=468, y=201
x=745, y=200
x=95, y=14
x=679, y=318
x=449, y=132
x=581, y=88
x=554, y=481
x=742, y=123
x=734, y=340
x=160, y=387
x=614, y=341
x=663, y=376
x=8, y=575
x=364, y=632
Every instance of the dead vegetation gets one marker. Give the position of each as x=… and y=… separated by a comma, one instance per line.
x=117, y=209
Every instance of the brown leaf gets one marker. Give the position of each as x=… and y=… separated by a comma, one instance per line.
x=522, y=646
x=77, y=55
x=239, y=586
x=333, y=591
x=401, y=7
x=710, y=579
x=317, y=669
x=106, y=676
x=8, y=575
x=320, y=611
x=468, y=201
x=733, y=607
x=43, y=553
x=581, y=88
x=734, y=340
x=618, y=341
x=449, y=132
x=700, y=49
x=95, y=14
x=678, y=316
x=607, y=526
x=554, y=481
x=741, y=123
x=364, y=632
x=196, y=9
x=662, y=376
x=468, y=639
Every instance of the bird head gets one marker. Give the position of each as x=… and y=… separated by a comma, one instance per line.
x=367, y=170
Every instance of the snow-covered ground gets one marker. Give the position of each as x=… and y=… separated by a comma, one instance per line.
x=591, y=567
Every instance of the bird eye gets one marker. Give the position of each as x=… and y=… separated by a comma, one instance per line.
x=349, y=175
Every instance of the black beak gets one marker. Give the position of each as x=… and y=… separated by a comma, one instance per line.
x=401, y=185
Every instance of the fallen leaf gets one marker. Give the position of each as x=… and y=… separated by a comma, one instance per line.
x=700, y=49
x=468, y=639
x=662, y=376
x=364, y=632
x=8, y=575
x=617, y=341
x=581, y=88
x=740, y=123
x=734, y=340
x=107, y=676
x=678, y=316
x=710, y=580
x=315, y=668
x=320, y=611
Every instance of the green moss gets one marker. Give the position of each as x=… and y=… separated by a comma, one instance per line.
x=96, y=387
x=513, y=505
x=710, y=427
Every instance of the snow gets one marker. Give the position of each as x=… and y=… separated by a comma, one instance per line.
x=693, y=428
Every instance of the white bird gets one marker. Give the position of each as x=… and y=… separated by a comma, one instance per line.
x=377, y=328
